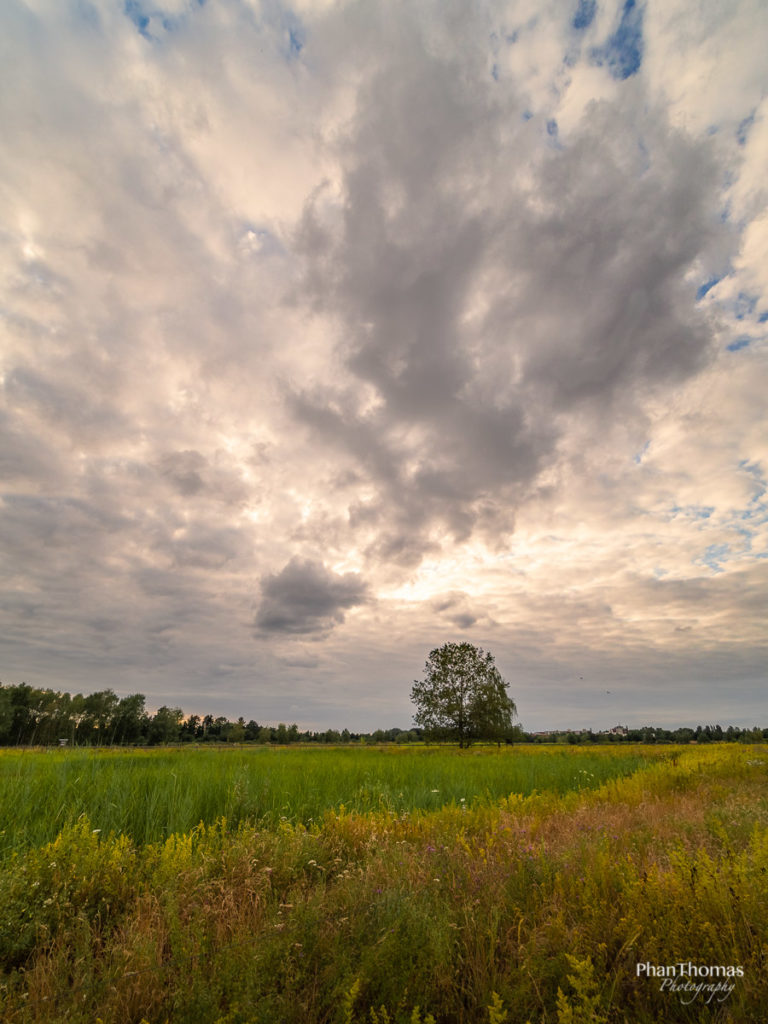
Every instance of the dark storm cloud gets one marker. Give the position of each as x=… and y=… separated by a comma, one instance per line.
x=305, y=597
x=489, y=288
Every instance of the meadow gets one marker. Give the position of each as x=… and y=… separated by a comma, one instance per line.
x=151, y=794
x=383, y=885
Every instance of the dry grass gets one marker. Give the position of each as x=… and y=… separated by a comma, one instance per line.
x=453, y=911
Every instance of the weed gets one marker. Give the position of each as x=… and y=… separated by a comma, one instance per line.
x=393, y=914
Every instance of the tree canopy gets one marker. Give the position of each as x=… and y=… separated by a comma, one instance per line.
x=463, y=696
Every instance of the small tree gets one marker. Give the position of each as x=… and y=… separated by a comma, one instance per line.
x=463, y=696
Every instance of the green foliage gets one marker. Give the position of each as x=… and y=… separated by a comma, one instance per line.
x=348, y=1002
x=463, y=696
x=583, y=1007
x=496, y=1012
x=74, y=880
x=368, y=917
x=416, y=1017
x=150, y=795
x=45, y=717
x=165, y=726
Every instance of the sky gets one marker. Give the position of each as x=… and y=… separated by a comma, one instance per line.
x=336, y=331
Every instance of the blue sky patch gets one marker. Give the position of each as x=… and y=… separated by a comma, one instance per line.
x=143, y=15
x=742, y=342
x=295, y=41
x=585, y=14
x=136, y=13
x=755, y=470
x=707, y=286
x=762, y=318
x=745, y=305
x=294, y=33
x=715, y=554
x=692, y=511
x=638, y=458
x=623, y=52
x=87, y=13
x=742, y=132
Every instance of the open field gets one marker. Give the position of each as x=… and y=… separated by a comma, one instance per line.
x=149, y=794
x=244, y=886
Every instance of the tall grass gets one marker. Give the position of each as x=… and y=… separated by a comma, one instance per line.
x=149, y=795
x=515, y=909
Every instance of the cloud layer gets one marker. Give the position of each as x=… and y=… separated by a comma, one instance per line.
x=337, y=331
x=306, y=598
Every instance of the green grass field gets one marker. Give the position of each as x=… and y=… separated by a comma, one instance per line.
x=150, y=794
x=382, y=885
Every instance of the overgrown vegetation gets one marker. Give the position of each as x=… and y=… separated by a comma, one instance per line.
x=494, y=908
x=150, y=794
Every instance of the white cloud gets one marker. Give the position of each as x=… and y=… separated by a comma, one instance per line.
x=393, y=293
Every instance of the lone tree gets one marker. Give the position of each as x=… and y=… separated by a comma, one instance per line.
x=463, y=696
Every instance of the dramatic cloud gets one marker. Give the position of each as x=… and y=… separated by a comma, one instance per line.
x=482, y=310
x=306, y=598
x=335, y=331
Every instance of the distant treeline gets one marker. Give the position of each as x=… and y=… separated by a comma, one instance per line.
x=653, y=734
x=41, y=717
